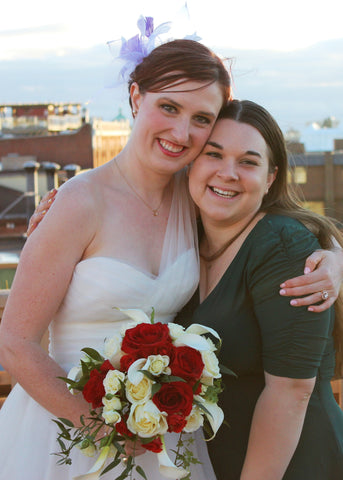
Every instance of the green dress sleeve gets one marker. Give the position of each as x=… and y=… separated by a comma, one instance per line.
x=293, y=339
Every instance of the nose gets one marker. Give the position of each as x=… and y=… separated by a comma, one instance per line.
x=228, y=171
x=181, y=130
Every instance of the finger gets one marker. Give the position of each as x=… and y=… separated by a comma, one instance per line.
x=304, y=290
x=313, y=261
x=35, y=221
x=303, y=280
x=308, y=300
x=322, y=307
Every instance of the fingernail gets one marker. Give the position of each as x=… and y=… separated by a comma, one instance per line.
x=282, y=285
x=282, y=292
x=50, y=200
x=310, y=309
x=294, y=302
x=307, y=270
x=43, y=212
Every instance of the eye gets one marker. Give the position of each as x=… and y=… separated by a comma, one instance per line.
x=250, y=162
x=203, y=120
x=213, y=154
x=168, y=108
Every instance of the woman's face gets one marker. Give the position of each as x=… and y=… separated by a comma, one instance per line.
x=171, y=127
x=231, y=175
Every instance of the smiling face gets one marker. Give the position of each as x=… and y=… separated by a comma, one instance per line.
x=172, y=126
x=231, y=175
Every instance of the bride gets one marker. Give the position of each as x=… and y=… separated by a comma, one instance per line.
x=121, y=235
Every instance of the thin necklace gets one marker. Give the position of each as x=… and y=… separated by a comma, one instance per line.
x=226, y=245
x=154, y=210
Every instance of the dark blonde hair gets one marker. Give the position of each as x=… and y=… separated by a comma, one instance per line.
x=177, y=62
x=282, y=199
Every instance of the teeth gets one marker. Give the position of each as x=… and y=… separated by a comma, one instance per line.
x=224, y=193
x=170, y=147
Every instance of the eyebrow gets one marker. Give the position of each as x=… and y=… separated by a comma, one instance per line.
x=215, y=145
x=170, y=100
x=252, y=152
x=220, y=147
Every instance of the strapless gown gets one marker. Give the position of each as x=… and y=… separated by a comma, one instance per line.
x=86, y=316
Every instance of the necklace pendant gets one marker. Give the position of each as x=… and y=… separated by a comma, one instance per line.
x=155, y=213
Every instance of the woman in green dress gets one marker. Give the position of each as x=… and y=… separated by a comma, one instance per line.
x=284, y=422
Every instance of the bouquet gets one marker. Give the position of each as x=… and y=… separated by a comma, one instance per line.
x=150, y=379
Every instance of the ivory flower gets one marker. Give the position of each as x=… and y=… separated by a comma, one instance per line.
x=175, y=330
x=157, y=364
x=211, y=367
x=112, y=381
x=112, y=350
x=87, y=448
x=146, y=420
x=139, y=393
x=195, y=420
x=110, y=410
x=167, y=468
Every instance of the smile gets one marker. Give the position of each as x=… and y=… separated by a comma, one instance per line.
x=170, y=147
x=224, y=193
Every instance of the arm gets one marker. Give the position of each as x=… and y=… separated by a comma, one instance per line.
x=42, y=278
x=276, y=427
x=323, y=272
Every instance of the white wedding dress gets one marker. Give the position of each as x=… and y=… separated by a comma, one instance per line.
x=86, y=316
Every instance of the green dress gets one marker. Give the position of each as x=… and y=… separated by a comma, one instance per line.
x=261, y=331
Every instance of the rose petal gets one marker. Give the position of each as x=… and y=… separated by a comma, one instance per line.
x=95, y=471
x=192, y=340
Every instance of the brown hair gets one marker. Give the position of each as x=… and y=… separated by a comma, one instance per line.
x=283, y=200
x=177, y=62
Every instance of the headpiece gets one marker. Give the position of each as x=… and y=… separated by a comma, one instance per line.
x=135, y=49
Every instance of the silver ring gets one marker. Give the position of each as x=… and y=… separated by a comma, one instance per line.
x=325, y=295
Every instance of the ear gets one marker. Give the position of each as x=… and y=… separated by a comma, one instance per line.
x=270, y=179
x=136, y=97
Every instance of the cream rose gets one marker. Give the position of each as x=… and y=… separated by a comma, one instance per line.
x=112, y=381
x=112, y=349
x=195, y=420
x=146, y=420
x=158, y=364
x=109, y=412
x=175, y=330
x=211, y=367
x=139, y=393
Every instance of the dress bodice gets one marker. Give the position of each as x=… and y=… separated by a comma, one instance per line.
x=99, y=284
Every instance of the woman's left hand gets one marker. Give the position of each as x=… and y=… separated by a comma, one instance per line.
x=321, y=282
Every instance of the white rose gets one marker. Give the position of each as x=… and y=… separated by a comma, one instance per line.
x=146, y=420
x=109, y=411
x=112, y=349
x=195, y=420
x=175, y=330
x=157, y=364
x=211, y=367
x=139, y=393
x=112, y=381
x=87, y=448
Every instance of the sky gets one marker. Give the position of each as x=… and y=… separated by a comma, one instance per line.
x=287, y=55
x=36, y=28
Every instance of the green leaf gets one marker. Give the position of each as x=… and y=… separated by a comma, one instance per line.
x=171, y=378
x=66, y=422
x=141, y=472
x=152, y=317
x=226, y=370
x=148, y=374
x=110, y=466
x=155, y=388
x=93, y=354
x=201, y=406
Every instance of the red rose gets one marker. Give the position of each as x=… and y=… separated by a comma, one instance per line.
x=186, y=363
x=147, y=339
x=174, y=397
x=94, y=389
x=122, y=429
x=126, y=361
x=176, y=422
x=154, y=446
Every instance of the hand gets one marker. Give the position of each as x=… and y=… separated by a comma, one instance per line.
x=41, y=210
x=323, y=272
x=133, y=448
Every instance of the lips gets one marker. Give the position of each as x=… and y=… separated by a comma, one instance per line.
x=224, y=193
x=170, y=148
